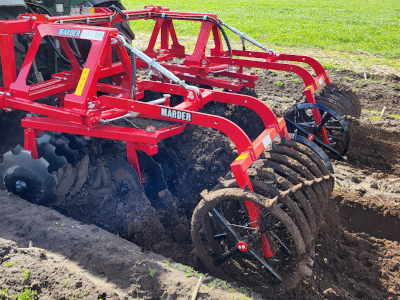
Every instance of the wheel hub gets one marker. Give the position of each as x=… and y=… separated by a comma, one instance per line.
x=242, y=246
x=20, y=186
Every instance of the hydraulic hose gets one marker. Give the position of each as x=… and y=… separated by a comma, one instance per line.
x=49, y=39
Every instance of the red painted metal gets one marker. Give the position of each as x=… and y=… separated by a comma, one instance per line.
x=266, y=247
x=81, y=111
x=242, y=246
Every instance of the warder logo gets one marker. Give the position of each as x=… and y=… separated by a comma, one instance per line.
x=69, y=32
x=176, y=114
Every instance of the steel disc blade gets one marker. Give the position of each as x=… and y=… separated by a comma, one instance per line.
x=63, y=149
x=48, y=152
x=123, y=173
x=28, y=177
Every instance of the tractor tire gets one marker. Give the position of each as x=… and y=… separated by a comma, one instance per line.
x=122, y=27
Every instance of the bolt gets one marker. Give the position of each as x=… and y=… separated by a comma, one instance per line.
x=150, y=129
x=47, y=17
x=91, y=105
x=167, y=96
x=29, y=115
x=65, y=78
x=125, y=189
x=20, y=186
x=8, y=94
x=33, y=18
x=9, y=110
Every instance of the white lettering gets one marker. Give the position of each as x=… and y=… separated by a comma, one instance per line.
x=176, y=114
x=69, y=32
x=164, y=112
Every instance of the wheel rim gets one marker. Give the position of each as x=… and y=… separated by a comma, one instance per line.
x=300, y=120
x=226, y=225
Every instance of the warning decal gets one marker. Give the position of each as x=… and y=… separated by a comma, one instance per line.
x=82, y=82
x=242, y=156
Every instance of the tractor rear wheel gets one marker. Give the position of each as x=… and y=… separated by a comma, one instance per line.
x=123, y=27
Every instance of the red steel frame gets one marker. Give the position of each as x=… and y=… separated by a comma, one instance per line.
x=81, y=110
x=198, y=66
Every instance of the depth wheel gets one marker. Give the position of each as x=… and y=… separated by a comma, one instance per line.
x=300, y=120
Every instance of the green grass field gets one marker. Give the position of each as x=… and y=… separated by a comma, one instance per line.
x=355, y=25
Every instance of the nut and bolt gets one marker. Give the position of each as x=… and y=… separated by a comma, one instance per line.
x=20, y=186
x=150, y=129
x=191, y=95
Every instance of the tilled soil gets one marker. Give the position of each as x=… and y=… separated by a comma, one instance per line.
x=357, y=253
x=72, y=260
